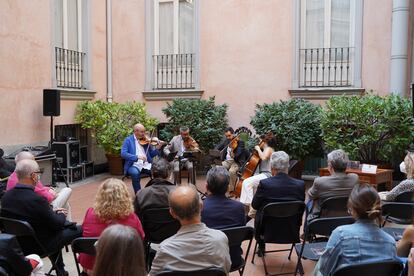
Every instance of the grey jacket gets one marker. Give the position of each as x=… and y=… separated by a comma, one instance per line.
x=175, y=145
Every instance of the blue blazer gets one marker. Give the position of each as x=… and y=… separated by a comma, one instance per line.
x=128, y=152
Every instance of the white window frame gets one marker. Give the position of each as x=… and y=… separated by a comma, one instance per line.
x=65, y=36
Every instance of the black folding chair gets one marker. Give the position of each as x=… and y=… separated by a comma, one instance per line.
x=279, y=223
x=407, y=197
x=336, y=206
x=83, y=245
x=321, y=226
x=398, y=212
x=377, y=268
x=27, y=239
x=236, y=235
x=204, y=272
x=158, y=225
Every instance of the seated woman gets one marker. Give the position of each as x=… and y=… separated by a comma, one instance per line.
x=119, y=252
x=113, y=205
x=361, y=241
x=406, y=242
x=404, y=186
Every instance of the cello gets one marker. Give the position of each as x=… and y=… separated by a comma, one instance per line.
x=250, y=166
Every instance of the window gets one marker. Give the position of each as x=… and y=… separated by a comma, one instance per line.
x=327, y=46
x=173, y=55
x=69, y=47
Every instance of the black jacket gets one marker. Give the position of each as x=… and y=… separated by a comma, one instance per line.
x=23, y=203
x=12, y=259
x=239, y=153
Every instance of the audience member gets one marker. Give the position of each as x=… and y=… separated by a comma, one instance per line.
x=56, y=199
x=404, y=186
x=406, y=242
x=338, y=183
x=155, y=194
x=195, y=246
x=220, y=212
x=361, y=241
x=23, y=203
x=120, y=252
x=113, y=205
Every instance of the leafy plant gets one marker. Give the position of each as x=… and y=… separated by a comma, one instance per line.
x=205, y=119
x=110, y=123
x=295, y=123
x=370, y=128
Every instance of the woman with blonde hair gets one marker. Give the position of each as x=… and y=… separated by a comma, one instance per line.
x=119, y=252
x=113, y=205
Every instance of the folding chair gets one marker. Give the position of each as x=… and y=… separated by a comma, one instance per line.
x=279, y=222
x=398, y=212
x=377, y=268
x=236, y=235
x=323, y=227
x=204, y=272
x=27, y=239
x=158, y=225
x=83, y=245
x=336, y=206
x=407, y=197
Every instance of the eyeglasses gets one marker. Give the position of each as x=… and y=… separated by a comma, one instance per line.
x=38, y=172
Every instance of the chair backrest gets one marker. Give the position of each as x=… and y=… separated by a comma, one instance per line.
x=158, y=224
x=405, y=197
x=398, y=210
x=377, y=268
x=325, y=226
x=280, y=222
x=236, y=235
x=204, y=272
x=84, y=245
x=334, y=207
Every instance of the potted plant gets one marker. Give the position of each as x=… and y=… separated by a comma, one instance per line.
x=295, y=124
x=369, y=128
x=110, y=123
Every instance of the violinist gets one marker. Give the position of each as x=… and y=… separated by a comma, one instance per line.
x=180, y=144
x=250, y=184
x=232, y=153
x=138, y=152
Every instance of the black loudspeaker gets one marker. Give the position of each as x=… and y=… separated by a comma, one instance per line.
x=67, y=153
x=51, y=102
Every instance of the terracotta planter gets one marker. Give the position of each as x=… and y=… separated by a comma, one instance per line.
x=115, y=164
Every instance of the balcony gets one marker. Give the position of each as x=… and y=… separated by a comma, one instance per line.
x=174, y=72
x=70, y=68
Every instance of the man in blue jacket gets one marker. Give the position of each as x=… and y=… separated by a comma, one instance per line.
x=138, y=158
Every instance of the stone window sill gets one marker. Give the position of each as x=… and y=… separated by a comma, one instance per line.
x=170, y=94
x=324, y=93
x=73, y=94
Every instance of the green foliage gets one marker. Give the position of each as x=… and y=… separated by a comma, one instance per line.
x=295, y=123
x=110, y=123
x=206, y=120
x=370, y=128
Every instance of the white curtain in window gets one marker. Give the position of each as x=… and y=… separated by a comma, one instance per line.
x=59, y=23
x=186, y=27
x=166, y=28
x=340, y=23
x=72, y=25
x=315, y=14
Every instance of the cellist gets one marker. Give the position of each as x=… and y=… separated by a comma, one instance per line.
x=250, y=184
x=232, y=151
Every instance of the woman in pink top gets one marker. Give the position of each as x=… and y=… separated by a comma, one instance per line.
x=113, y=205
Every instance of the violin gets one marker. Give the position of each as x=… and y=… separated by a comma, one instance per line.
x=190, y=144
x=153, y=141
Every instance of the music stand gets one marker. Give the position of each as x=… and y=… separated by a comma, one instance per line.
x=191, y=157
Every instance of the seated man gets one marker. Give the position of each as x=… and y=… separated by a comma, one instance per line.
x=219, y=212
x=56, y=199
x=195, y=246
x=138, y=158
x=279, y=187
x=155, y=194
x=337, y=184
x=23, y=203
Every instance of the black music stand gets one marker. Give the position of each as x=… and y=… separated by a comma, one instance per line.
x=190, y=156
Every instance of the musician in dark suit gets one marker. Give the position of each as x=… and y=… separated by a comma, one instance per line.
x=220, y=212
x=279, y=187
x=232, y=159
x=23, y=203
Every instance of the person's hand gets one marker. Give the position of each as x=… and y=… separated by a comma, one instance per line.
x=143, y=158
x=61, y=211
x=257, y=148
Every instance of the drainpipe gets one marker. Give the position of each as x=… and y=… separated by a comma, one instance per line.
x=399, y=47
x=109, y=95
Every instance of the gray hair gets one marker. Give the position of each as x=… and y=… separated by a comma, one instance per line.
x=160, y=168
x=188, y=209
x=338, y=159
x=184, y=129
x=25, y=168
x=218, y=179
x=279, y=161
x=23, y=155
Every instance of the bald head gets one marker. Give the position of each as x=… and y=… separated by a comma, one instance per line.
x=139, y=131
x=185, y=203
x=25, y=168
x=23, y=155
